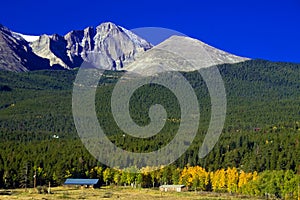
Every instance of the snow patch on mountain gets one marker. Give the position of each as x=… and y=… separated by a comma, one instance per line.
x=28, y=38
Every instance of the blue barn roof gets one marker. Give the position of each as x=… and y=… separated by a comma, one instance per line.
x=80, y=181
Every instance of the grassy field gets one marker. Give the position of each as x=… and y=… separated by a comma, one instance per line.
x=114, y=193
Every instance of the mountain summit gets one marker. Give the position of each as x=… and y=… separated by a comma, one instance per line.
x=179, y=53
x=114, y=47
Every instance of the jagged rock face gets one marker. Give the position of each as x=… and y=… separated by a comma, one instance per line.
x=74, y=39
x=113, y=46
x=16, y=54
x=53, y=48
x=88, y=39
x=117, y=47
x=74, y=47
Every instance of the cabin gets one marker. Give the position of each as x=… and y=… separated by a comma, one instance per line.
x=172, y=188
x=81, y=182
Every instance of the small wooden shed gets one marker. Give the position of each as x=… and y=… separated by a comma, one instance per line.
x=173, y=188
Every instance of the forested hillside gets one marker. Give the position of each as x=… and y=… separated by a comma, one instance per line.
x=262, y=128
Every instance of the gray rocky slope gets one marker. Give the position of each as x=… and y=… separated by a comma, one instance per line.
x=16, y=54
x=179, y=53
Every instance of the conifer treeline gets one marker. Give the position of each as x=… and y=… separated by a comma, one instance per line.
x=261, y=133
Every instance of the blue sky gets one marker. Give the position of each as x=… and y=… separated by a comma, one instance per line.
x=256, y=29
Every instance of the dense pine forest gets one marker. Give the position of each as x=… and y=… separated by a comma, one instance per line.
x=260, y=139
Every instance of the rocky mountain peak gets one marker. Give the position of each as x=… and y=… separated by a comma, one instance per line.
x=107, y=27
x=107, y=30
x=117, y=47
x=179, y=53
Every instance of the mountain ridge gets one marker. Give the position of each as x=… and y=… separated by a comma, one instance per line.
x=109, y=47
x=117, y=45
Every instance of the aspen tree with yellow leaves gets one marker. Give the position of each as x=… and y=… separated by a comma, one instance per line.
x=232, y=179
x=218, y=180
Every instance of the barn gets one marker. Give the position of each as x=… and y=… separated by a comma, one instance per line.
x=177, y=188
x=82, y=182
